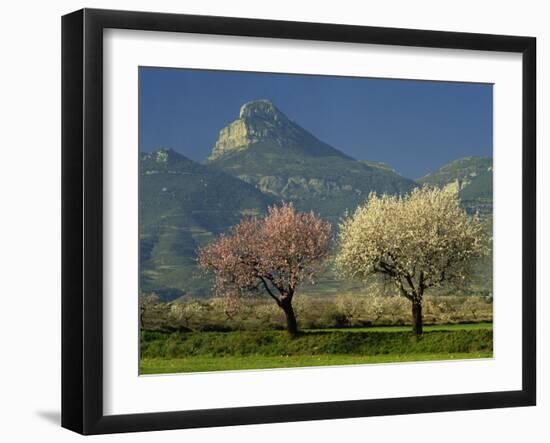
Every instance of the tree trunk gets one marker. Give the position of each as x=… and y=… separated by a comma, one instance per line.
x=291, y=325
x=417, y=318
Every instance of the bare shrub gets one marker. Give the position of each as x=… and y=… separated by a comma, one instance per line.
x=371, y=308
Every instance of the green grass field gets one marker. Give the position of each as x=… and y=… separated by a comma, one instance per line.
x=218, y=351
x=206, y=364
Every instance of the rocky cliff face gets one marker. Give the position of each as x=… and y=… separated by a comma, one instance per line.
x=261, y=122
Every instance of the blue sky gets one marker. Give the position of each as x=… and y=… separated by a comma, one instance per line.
x=414, y=126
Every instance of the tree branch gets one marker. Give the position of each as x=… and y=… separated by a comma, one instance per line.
x=410, y=282
x=386, y=269
x=273, y=296
x=404, y=293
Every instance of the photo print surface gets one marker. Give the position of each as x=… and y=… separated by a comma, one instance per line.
x=293, y=220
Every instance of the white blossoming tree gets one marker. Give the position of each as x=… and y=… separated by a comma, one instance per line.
x=417, y=241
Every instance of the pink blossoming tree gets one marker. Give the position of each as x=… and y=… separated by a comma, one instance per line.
x=274, y=254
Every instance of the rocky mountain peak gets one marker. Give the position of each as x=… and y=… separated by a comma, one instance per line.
x=263, y=109
x=261, y=123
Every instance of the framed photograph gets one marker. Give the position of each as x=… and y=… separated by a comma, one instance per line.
x=268, y=221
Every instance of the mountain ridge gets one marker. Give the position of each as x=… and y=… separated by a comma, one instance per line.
x=183, y=204
x=282, y=159
x=471, y=177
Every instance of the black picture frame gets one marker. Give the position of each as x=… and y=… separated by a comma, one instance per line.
x=82, y=218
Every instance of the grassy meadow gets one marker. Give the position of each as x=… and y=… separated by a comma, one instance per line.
x=151, y=366
x=173, y=352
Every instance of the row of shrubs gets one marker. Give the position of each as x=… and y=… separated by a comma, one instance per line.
x=278, y=343
x=346, y=310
